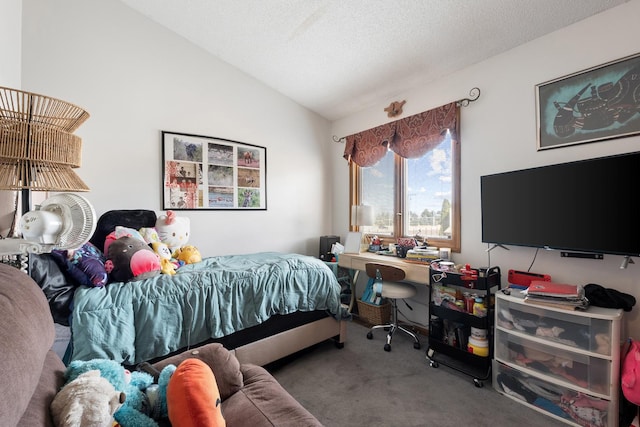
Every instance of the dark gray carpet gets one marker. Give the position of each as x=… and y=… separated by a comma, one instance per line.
x=362, y=385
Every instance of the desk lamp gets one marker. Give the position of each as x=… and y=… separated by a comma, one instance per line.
x=362, y=216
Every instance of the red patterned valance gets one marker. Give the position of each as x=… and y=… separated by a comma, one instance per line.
x=368, y=147
x=410, y=137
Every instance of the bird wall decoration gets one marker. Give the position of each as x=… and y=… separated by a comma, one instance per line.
x=395, y=108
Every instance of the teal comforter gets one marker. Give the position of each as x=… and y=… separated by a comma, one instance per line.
x=138, y=321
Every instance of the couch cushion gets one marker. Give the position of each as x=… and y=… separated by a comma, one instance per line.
x=222, y=362
x=51, y=380
x=27, y=334
x=264, y=402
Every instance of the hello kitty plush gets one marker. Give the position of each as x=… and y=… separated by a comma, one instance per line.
x=173, y=230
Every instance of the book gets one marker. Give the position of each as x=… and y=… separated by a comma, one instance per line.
x=563, y=290
x=565, y=305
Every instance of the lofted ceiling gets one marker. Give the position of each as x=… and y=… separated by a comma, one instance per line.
x=338, y=57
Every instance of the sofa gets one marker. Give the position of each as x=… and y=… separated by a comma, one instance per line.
x=32, y=373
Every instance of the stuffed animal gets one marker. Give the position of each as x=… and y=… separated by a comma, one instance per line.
x=167, y=266
x=131, y=259
x=157, y=393
x=193, y=397
x=173, y=230
x=138, y=407
x=189, y=254
x=90, y=400
x=84, y=264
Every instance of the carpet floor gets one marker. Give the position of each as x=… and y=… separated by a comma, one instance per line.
x=363, y=385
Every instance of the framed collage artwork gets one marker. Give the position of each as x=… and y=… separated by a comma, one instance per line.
x=203, y=172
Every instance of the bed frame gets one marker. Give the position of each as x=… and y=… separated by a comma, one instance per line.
x=274, y=347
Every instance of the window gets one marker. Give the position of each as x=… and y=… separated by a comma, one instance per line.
x=413, y=197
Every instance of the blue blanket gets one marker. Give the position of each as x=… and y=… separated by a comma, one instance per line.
x=137, y=321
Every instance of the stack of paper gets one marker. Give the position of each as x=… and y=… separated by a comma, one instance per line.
x=560, y=295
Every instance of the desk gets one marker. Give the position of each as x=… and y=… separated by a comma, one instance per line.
x=417, y=273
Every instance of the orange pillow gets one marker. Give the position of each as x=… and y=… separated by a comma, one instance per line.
x=193, y=399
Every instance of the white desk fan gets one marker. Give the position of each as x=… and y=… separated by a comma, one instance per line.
x=62, y=221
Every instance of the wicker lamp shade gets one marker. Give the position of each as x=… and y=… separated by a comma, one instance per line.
x=37, y=147
x=39, y=176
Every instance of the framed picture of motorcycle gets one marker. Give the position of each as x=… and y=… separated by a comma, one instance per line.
x=592, y=105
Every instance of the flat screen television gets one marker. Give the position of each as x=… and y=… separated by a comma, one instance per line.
x=587, y=206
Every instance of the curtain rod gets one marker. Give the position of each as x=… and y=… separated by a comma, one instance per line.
x=474, y=94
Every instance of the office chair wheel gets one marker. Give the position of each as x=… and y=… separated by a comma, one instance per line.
x=369, y=335
x=433, y=364
x=387, y=347
x=478, y=383
x=416, y=345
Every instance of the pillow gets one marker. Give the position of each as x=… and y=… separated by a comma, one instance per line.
x=85, y=265
x=149, y=234
x=134, y=218
x=193, y=398
x=122, y=231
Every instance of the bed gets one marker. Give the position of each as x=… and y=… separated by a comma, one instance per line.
x=264, y=306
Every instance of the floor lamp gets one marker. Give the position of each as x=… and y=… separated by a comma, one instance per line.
x=38, y=150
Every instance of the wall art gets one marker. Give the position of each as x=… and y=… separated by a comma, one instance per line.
x=596, y=104
x=203, y=172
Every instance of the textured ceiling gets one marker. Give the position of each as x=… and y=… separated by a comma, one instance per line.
x=338, y=57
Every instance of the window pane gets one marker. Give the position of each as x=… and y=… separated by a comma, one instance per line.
x=378, y=189
x=429, y=193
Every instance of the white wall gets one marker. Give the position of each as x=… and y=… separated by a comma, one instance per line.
x=136, y=79
x=499, y=134
x=10, y=43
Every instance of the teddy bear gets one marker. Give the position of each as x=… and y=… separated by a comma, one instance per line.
x=189, y=254
x=173, y=230
x=130, y=259
x=90, y=400
x=137, y=409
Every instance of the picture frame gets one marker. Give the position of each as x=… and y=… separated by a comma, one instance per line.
x=596, y=104
x=209, y=173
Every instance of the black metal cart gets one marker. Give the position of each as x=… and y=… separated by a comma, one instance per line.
x=452, y=323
